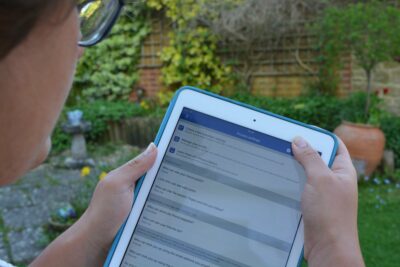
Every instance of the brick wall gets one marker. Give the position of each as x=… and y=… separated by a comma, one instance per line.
x=385, y=75
x=297, y=84
x=279, y=74
x=279, y=86
x=150, y=64
x=149, y=81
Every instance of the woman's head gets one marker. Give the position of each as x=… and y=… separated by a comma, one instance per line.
x=38, y=54
x=39, y=50
x=18, y=17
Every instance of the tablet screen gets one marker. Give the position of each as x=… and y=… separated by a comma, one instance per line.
x=224, y=195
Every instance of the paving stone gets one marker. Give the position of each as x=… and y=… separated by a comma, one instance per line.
x=25, y=244
x=66, y=176
x=26, y=217
x=51, y=195
x=35, y=176
x=13, y=197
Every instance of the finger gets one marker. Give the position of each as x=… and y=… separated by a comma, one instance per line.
x=313, y=165
x=342, y=150
x=342, y=162
x=131, y=171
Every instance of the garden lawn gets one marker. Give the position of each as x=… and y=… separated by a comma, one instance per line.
x=379, y=224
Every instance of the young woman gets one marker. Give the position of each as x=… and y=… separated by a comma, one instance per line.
x=41, y=42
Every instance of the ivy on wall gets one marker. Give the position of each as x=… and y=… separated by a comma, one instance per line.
x=190, y=58
x=109, y=70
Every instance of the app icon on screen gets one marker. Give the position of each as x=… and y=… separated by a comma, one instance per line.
x=172, y=150
x=177, y=138
x=181, y=127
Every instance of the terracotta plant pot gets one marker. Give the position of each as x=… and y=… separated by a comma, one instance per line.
x=365, y=143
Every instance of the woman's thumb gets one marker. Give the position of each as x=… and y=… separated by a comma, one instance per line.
x=312, y=162
x=131, y=171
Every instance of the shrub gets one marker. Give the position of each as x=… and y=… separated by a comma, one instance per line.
x=191, y=56
x=109, y=69
x=353, y=109
x=391, y=127
x=321, y=111
x=99, y=113
x=368, y=29
x=328, y=112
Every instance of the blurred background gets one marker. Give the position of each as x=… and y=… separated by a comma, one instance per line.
x=333, y=64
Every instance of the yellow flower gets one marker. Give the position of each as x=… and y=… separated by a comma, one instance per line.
x=102, y=175
x=85, y=171
x=144, y=105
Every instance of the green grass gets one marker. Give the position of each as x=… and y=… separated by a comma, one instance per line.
x=4, y=230
x=379, y=224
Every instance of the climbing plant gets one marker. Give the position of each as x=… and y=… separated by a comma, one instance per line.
x=191, y=56
x=109, y=70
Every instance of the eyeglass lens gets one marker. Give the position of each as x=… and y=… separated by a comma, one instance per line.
x=95, y=19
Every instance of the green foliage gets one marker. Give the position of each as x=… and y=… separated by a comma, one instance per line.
x=60, y=140
x=391, y=127
x=328, y=112
x=353, y=109
x=370, y=30
x=190, y=58
x=322, y=111
x=99, y=113
x=108, y=70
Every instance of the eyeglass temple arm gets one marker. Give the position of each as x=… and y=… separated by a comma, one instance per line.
x=83, y=3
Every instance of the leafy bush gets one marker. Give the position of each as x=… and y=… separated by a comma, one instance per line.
x=109, y=69
x=191, y=56
x=60, y=140
x=367, y=29
x=99, y=113
x=322, y=111
x=391, y=127
x=353, y=109
x=328, y=112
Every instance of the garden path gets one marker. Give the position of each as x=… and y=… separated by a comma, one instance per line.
x=26, y=206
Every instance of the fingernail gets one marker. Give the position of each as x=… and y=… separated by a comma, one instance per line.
x=300, y=142
x=149, y=149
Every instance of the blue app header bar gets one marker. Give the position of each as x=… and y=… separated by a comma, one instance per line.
x=236, y=131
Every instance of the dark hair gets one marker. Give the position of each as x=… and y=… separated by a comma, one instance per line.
x=18, y=18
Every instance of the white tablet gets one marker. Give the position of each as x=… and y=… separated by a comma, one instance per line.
x=225, y=189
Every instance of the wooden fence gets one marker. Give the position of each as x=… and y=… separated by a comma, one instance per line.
x=134, y=131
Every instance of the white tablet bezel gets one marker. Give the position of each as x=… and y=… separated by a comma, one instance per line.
x=240, y=115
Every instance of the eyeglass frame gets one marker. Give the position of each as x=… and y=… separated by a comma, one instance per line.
x=108, y=28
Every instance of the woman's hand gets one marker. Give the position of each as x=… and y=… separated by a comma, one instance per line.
x=329, y=206
x=87, y=242
x=113, y=199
